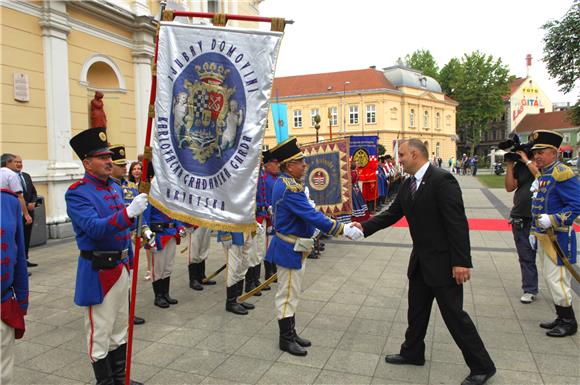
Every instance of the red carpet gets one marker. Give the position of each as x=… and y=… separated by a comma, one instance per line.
x=480, y=224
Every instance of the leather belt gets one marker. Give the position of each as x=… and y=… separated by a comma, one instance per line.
x=287, y=238
x=165, y=225
x=111, y=255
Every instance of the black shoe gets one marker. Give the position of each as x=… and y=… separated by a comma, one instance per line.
x=30, y=264
x=247, y=305
x=103, y=372
x=117, y=360
x=138, y=320
x=239, y=290
x=550, y=325
x=566, y=327
x=398, y=359
x=231, y=301
x=299, y=340
x=160, y=300
x=478, y=379
x=166, y=284
x=194, y=270
x=287, y=342
x=204, y=280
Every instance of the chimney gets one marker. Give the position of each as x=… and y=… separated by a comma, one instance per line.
x=528, y=64
x=373, y=67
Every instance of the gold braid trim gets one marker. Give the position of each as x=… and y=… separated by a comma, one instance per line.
x=212, y=225
x=562, y=172
x=219, y=20
x=278, y=24
x=292, y=185
x=168, y=15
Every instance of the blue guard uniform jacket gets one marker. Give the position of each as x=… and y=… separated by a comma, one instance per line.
x=99, y=218
x=162, y=225
x=264, y=193
x=237, y=238
x=12, y=256
x=558, y=196
x=293, y=216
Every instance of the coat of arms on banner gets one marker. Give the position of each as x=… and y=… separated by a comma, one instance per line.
x=208, y=110
x=328, y=176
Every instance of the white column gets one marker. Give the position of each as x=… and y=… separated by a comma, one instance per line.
x=142, y=60
x=61, y=168
x=140, y=8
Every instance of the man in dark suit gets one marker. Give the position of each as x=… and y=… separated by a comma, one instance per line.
x=30, y=197
x=430, y=199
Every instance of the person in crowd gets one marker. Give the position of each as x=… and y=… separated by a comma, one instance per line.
x=102, y=225
x=519, y=177
x=430, y=199
x=9, y=180
x=554, y=209
x=198, y=251
x=135, y=171
x=360, y=211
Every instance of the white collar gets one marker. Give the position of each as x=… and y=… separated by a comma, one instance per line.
x=421, y=173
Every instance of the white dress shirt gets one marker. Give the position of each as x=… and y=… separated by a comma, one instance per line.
x=420, y=174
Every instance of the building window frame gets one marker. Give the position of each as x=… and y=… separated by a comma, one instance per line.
x=371, y=114
x=412, y=118
x=334, y=116
x=297, y=118
x=353, y=114
x=437, y=120
x=425, y=119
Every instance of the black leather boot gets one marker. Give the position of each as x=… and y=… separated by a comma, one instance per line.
x=287, y=342
x=240, y=289
x=231, y=301
x=204, y=281
x=299, y=340
x=268, y=270
x=257, y=273
x=567, y=325
x=554, y=323
x=159, y=294
x=250, y=285
x=117, y=359
x=103, y=373
x=166, y=284
x=195, y=276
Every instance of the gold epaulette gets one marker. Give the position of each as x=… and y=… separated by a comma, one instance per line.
x=131, y=184
x=561, y=172
x=292, y=184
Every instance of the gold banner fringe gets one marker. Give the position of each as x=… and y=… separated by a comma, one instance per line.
x=212, y=225
x=278, y=24
x=168, y=15
x=219, y=20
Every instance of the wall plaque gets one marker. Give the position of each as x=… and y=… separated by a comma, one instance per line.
x=21, y=89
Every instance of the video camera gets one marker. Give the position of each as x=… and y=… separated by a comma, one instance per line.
x=514, y=144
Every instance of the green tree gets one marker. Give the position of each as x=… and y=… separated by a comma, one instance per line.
x=421, y=60
x=479, y=84
x=562, y=52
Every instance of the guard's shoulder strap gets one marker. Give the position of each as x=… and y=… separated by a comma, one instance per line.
x=76, y=184
x=561, y=172
x=292, y=185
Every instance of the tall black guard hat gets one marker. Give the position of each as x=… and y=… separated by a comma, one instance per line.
x=91, y=142
x=119, y=155
x=267, y=156
x=546, y=139
x=287, y=150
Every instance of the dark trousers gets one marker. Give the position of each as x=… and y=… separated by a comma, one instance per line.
x=450, y=302
x=28, y=232
x=527, y=255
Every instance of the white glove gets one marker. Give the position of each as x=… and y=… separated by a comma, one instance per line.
x=138, y=205
x=312, y=204
x=544, y=221
x=149, y=237
x=533, y=241
x=227, y=244
x=182, y=232
x=259, y=228
x=352, y=232
x=270, y=210
x=269, y=230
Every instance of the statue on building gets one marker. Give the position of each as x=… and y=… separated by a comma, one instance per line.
x=98, y=116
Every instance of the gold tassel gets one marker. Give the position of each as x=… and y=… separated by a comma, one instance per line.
x=168, y=15
x=148, y=152
x=219, y=19
x=144, y=187
x=278, y=24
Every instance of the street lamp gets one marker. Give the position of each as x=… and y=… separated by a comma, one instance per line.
x=317, y=125
x=343, y=110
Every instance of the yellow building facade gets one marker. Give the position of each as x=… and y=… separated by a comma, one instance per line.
x=55, y=55
x=396, y=103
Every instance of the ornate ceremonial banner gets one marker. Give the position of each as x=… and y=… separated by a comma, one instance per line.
x=214, y=85
x=363, y=150
x=328, y=176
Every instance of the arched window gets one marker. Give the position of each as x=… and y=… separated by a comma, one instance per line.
x=412, y=118
x=101, y=72
x=438, y=120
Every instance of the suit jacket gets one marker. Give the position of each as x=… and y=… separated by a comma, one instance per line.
x=437, y=223
x=29, y=193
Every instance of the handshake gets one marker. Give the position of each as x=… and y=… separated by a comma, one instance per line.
x=353, y=231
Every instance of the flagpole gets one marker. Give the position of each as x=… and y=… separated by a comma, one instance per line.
x=144, y=187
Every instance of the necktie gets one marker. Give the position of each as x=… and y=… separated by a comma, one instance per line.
x=22, y=182
x=413, y=186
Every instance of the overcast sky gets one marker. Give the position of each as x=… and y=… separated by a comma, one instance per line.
x=336, y=35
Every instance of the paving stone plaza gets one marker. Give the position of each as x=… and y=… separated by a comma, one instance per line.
x=353, y=308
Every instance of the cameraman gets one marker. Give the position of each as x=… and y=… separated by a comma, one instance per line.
x=521, y=172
